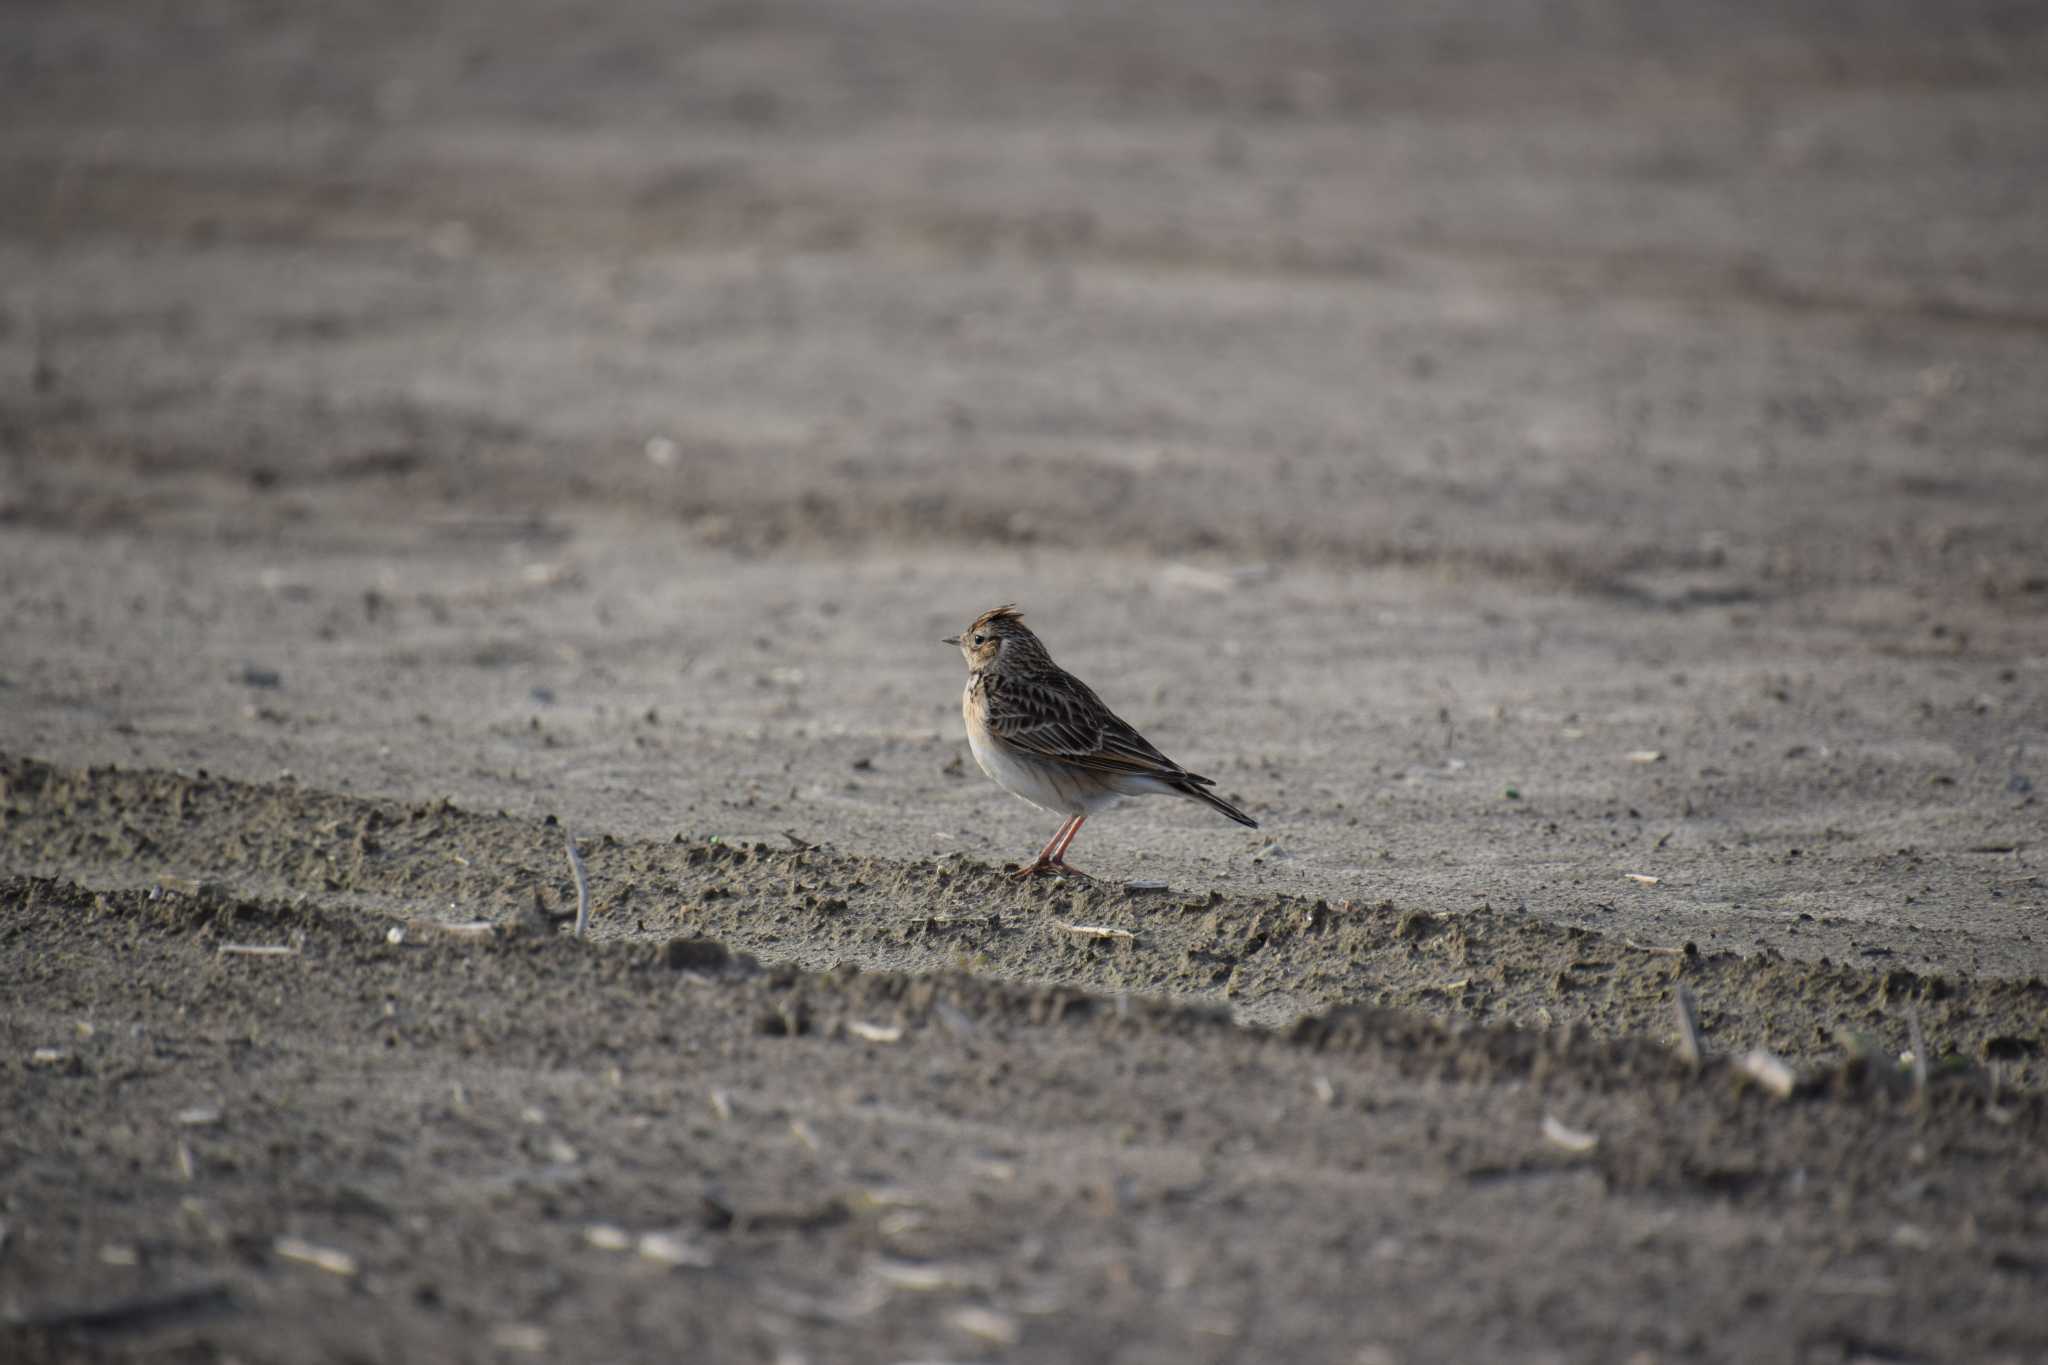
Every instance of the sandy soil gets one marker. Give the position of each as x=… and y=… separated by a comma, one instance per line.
x=1576, y=474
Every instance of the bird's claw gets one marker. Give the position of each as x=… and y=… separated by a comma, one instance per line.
x=1047, y=867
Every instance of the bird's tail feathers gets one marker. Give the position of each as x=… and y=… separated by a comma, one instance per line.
x=1198, y=788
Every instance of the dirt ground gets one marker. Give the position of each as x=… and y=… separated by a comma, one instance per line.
x=1576, y=473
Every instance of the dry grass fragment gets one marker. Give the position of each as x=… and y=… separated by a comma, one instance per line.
x=523, y=1337
x=986, y=1324
x=1577, y=1141
x=1685, y=1013
x=926, y=1276
x=1094, y=931
x=582, y=883
x=329, y=1259
x=667, y=1248
x=1918, y=1041
x=432, y=928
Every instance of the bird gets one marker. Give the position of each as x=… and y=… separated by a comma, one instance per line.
x=1042, y=734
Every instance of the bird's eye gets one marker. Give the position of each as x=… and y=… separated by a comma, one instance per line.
x=981, y=639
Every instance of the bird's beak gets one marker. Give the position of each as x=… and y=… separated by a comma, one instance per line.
x=951, y=640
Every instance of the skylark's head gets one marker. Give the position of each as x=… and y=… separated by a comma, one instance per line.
x=998, y=636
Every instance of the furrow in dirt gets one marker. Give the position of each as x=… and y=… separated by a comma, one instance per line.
x=473, y=1131
x=1269, y=959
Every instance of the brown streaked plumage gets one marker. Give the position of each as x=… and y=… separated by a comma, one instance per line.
x=1042, y=734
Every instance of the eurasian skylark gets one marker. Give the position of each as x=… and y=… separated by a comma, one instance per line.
x=1044, y=735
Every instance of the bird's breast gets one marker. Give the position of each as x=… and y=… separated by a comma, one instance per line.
x=974, y=710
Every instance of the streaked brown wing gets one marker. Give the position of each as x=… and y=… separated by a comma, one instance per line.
x=1061, y=718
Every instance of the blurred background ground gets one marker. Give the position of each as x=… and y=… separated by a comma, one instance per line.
x=1510, y=446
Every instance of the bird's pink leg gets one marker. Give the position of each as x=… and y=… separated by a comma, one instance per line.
x=1059, y=850
x=1058, y=843
x=1047, y=860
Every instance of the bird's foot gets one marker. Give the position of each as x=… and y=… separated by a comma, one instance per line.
x=1049, y=867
